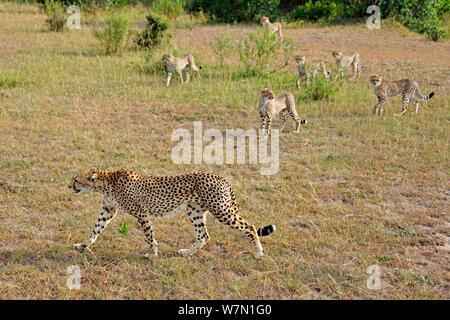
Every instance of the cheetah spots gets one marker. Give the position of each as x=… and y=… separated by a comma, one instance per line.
x=146, y=197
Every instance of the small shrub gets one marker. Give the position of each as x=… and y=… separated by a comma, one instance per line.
x=56, y=18
x=154, y=32
x=113, y=37
x=223, y=46
x=10, y=81
x=123, y=230
x=169, y=8
x=261, y=50
x=321, y=89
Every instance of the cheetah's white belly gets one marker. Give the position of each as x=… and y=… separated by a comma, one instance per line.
x=172, y=213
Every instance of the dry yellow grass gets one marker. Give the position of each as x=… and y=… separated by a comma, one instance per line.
x=352, y=191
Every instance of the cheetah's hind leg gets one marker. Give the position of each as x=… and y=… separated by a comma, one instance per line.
x=197, y=215
x=227, y=213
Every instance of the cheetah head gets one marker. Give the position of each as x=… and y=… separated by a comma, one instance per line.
x=376, y=80
x=264, y=20
x=337, y=54
x=267, y=94
x=166, y=57
x=86, y=181
x=300, y=59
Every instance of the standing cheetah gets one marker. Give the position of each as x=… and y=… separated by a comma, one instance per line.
x=146, y=197
x=272, y=27
x=344, y=61
x=269, y=106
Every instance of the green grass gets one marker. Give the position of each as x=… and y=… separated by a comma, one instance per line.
x=353, y=190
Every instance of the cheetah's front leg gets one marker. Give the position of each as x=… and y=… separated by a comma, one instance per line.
x=263, y=120
x=283, y=119
x=268, y=124
x=169, y=76
x=355, y=70
x=107, y=214
x=378, y=109
x=188, y=77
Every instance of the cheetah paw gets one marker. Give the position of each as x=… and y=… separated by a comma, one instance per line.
x=184, y=252
x=150, y=255
x=259, y=255
x=80, y=246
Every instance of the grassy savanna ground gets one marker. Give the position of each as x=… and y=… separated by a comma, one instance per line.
x=352, y=191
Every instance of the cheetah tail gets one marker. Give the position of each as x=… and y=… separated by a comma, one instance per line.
x=419, y=94
x=265, y=231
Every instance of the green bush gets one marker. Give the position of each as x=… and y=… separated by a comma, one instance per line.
x=238, y=10
x=169, y=8
x=90, y=4
x=113, y=37
x=56, y=18
x=418, y=15
x=314, y=11
x=262, y=52
x=321, y=89
x=332, y=10
x=154, y=32
x=223, y=46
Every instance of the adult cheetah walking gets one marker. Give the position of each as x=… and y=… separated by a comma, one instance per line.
x=146, y=197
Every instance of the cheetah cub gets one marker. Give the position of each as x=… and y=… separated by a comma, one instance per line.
x=344, y=61
x=386, y=89
x=174, y=64
x=269, y=106
x=304, y=71
x=273, y=27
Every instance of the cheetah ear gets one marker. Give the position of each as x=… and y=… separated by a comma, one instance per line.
x=94, y=177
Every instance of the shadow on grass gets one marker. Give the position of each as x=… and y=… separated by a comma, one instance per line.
x=68, y=256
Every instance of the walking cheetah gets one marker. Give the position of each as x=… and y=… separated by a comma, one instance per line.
x=174, y=64
x=146, y=197
x=386, y=89
x=344, y=61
